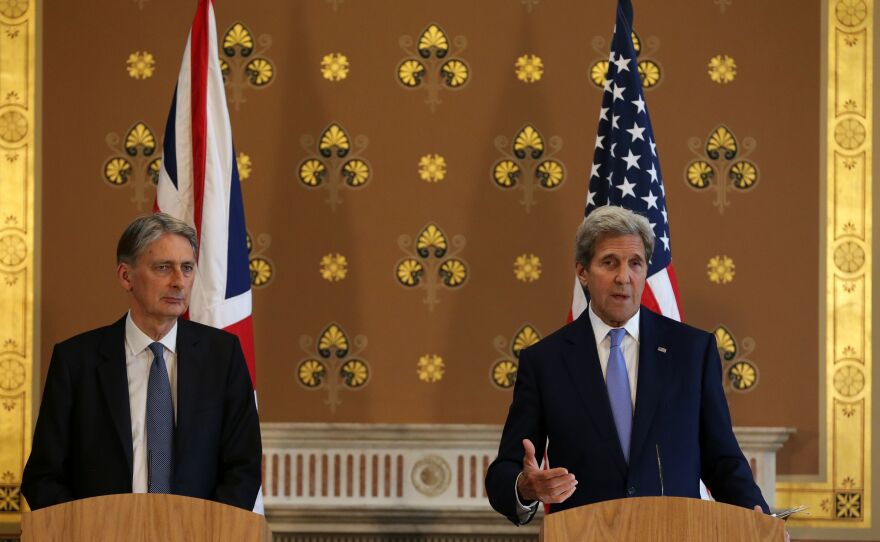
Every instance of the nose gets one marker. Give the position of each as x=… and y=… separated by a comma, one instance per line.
x=622, y=276
x=177, y=278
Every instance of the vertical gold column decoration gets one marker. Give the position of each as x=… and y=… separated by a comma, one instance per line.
x=843, y=498
x=17, y=184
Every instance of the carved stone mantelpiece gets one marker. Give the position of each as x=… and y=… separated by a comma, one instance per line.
x=405, y=482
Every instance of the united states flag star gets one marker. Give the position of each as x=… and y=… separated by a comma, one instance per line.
x=626, y=171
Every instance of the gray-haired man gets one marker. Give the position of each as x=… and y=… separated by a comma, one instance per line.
x=618, y=393
x=153, y=403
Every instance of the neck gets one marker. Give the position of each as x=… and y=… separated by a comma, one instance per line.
x=152, y=327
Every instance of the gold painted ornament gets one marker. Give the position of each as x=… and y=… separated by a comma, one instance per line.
x=336, y=165
x=333, y=267
x=529, y=68
x=527, y=268
x=433, y=263
x=722, y=69
x=134, y=163
x=740, y=373
x=140, y=65
x=333, y=363
x=334, y=67
x=503, y=371
x=527, y=164
x=721, y=269
x=262, y=268
x=431, y=65
x=432, y=168
x=243, y=62
x=721, y=166
x=430, y=368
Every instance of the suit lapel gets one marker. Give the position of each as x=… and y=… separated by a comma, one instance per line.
x=113, y=377
x=654, y=370
x=582, y=361
x=188, y=370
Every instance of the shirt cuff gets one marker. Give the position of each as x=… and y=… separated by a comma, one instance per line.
x=523, y=512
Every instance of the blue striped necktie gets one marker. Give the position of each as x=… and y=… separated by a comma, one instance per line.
x=617, y=382
x=160, y=425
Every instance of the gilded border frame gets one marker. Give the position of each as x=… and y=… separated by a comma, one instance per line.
x=842, y=495
x=18, y=178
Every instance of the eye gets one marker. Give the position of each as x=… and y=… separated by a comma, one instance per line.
x=187, y=267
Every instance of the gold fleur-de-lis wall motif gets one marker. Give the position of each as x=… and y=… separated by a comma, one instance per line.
x=243, y=63
x=527, y=164
x=333, y=363
x=740, y=374
x=134, y=163
x=649, y=67
x=338, y=163
x=721, y=165
x=261, y=267
x=503, y=371
x=432, y=65
x=431, y=263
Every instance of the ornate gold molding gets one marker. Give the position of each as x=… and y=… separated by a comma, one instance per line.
x=18, y=63
x=843, y=498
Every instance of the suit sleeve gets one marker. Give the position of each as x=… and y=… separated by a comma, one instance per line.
x=241, y=452
x=724, y=469
x=525, y=420
x=45, y=480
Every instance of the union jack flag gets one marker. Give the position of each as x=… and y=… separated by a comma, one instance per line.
x=626, y=170
x=199, y=184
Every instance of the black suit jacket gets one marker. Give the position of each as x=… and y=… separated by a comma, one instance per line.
x=680, y=407
x=83, y=444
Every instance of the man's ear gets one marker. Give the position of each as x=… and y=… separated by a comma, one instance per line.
x=123, y=275
x=582, y=274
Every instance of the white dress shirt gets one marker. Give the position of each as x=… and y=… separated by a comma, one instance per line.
x=630, y=348
x=138, y=358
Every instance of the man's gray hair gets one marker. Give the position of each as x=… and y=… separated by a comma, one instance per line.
x=610, y=220
x=147, y=229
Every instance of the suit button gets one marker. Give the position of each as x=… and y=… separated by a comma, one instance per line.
x=630, y=491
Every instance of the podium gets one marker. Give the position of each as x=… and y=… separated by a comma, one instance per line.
x=142, y=517
x=662, y=519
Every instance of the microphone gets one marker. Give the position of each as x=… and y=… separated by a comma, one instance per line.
x=660, y=470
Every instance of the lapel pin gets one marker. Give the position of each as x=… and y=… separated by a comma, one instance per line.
x=661, y=349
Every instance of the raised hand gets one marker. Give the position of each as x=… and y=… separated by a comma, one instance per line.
x=548, y=486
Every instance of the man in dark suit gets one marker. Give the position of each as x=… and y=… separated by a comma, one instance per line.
x=617, y=395
x=152, y=403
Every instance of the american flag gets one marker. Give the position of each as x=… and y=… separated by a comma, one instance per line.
x=199, y=184
x=625, y=169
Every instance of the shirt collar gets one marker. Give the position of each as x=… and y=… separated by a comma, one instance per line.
x=601, y=329
x=137, y=341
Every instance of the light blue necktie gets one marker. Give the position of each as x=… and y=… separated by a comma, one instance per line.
x=619, y=395
x=160, y=425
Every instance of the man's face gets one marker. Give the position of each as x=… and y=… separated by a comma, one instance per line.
x=615, y=277
x=160, y=280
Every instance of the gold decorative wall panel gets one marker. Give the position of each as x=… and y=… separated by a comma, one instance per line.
x=844, y=498
x=17, y=287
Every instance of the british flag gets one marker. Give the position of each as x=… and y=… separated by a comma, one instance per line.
x=625, y=169
x=199, y=184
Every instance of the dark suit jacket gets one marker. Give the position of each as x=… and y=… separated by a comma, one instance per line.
x=560, y=394
x=82, y=444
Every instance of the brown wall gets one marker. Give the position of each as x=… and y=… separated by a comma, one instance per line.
x=770, y=232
